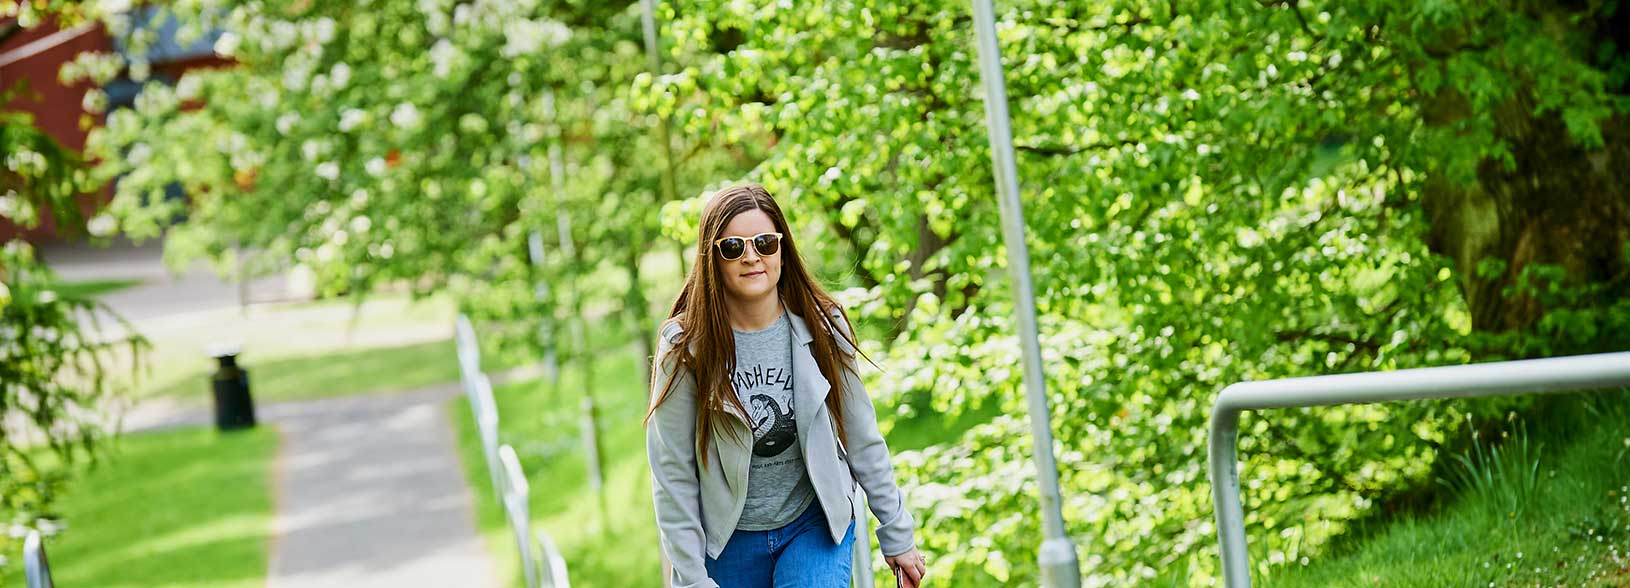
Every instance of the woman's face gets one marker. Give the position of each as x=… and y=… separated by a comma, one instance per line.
x=750, y=276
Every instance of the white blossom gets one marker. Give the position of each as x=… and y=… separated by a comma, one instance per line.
x=324, y=30
x=350, y=118
x=525, y=36
x=283, y=35
x=1190, y=94
x=375, y=167
x=95, y=101
x=286, y=123
x=140, y=70
x=189, y=88
x=108, y=7
x=227, y=44
x=295, y=77
x=340, y=75
x=442, y=55
x=139, y=153
x=328, y=170
x=101, y=225
x=406, y=115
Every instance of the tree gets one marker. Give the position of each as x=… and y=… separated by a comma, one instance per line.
x=54, y=355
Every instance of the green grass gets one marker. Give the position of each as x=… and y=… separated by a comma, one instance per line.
x=177, y=509
x=542, y=423
x=1548, y=507
x=94, y=288
x=343, y=373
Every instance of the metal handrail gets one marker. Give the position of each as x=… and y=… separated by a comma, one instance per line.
x=554, y=560
x=862, y=567
x=485, y=410
x=1506, y=378
x=36, y=569
x=517, y=511
x=541, y=561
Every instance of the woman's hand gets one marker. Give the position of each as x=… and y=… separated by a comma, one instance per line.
x=909, y=567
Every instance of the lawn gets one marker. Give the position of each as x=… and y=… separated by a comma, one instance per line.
x=335, y=373
x=283, y=339
x=176, y=509
x=93, y=288
x=1550, y=507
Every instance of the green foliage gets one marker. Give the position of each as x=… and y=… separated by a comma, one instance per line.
x=53, y=349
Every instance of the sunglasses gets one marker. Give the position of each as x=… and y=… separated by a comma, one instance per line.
x=731, y=248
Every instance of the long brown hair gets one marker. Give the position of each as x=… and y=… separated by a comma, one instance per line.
x=700, y=312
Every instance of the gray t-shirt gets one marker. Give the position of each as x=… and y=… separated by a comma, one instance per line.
x=778, y=487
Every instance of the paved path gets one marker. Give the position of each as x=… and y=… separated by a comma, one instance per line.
x=370, y=493
x=161, y=291
x=369, y=489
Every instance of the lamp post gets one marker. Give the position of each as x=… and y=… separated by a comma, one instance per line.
x=1060, y=567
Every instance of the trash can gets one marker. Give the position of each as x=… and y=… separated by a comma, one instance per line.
x=234, y=408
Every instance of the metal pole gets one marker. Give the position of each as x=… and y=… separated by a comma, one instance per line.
x=36, y=568
x=862, y=577
x=1507, y=378
x=1060, y=567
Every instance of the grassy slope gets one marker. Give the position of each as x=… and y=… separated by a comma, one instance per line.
x=1569, y=527
x=177, y=509
x=543, y=425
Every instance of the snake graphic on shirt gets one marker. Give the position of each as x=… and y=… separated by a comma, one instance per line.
x=773, y=430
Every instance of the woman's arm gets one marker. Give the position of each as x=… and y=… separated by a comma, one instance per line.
x=869, y=457
x=670, y=445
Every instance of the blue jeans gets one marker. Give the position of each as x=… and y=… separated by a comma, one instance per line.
x=800, y=555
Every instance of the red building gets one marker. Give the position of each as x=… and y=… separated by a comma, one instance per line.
x=35, y=55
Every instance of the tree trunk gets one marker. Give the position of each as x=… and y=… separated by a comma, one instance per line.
x=1562, y=205
x=639, y=310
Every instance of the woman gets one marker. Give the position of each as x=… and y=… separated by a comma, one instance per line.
x=759, y=427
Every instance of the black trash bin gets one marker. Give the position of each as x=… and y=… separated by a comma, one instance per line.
x=234, y=408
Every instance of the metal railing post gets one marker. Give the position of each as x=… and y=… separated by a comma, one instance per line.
x=1060, y=566
x=557, y=563
x=36, y=569
x=517, y=493
x=862, y=576
x=486, y=424
x=1506, y=378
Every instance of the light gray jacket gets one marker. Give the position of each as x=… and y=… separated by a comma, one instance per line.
x=697, y=509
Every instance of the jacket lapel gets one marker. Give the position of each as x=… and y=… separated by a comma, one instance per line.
x=809, y=387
